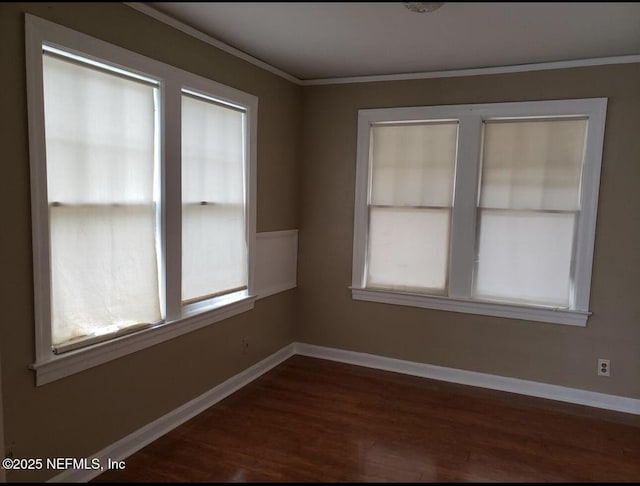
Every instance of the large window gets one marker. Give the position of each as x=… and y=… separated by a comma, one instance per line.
x=412, y=172
x=487, y=209
x=101, y=158
x=143, y=197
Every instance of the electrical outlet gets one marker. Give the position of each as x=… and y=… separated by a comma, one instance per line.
x=245, y=345
x=604, y=367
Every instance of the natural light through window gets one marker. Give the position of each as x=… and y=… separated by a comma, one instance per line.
x=529, y=200
x=143, y=189
x=485, y=209
x=214, y=250
x=101, y=164
x=412, y=172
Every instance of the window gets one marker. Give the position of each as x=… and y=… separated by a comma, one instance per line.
x=101, y=160
x=214, y=256
x=143, y=195
x=412, y=172
x=486, y=209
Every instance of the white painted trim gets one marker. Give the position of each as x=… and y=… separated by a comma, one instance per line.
x=276, y=262
x=178, y=319
x=472, y=378
x=467, y=306
x=181, y=26
x=361, y=201
x=135, y=441
x=251, y=193
x=514, y=109
x=171, y=197
x=59, y=366
x=38, y=179
x=462, y=235
x=590, y=186
x=460, y=296
x=483, y=71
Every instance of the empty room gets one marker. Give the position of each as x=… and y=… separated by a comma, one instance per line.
x=320, y=242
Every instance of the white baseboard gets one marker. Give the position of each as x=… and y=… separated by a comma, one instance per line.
x=137, y=440
x=132, y=443
x=493, y=382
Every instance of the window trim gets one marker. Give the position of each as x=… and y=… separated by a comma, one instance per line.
x=172, y=81
x=463, y=230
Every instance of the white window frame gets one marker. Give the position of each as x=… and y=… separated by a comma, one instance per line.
x=463, y=227
x=179, y=319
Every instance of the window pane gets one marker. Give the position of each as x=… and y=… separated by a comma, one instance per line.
x=103, y=259
x=100, y=181
x=532, y=164
x=525, y=256
x=408, y=248
x=529, y=166
x=214, y=251
x=413, y=165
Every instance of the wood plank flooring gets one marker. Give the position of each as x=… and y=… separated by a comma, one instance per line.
x=311, y=420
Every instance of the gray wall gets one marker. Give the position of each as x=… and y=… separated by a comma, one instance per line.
x=548, y=353
x=81, y=414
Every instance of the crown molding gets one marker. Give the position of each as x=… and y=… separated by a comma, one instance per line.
x=181, y=26
x=543, y=66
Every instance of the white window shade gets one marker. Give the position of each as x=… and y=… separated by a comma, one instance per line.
x=485, y=209
x=529, y=201
x=101, y=156
x=214, y=249
x=408, y=248
x=525, y=256
x=105, y=137
x=412, y=173
x=413, y=165
x=532, y=164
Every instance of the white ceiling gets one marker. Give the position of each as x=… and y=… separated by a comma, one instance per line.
x=330, y=40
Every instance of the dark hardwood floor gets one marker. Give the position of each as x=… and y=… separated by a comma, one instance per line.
x=316, y=420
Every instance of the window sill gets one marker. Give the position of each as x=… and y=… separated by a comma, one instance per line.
x=514, y=311
x=59, y=366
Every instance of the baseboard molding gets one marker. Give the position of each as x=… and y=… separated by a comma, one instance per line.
x=137, y=440
x=493, y=382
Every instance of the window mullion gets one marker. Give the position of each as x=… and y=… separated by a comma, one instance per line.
x=172, y=198
x=463, y=219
